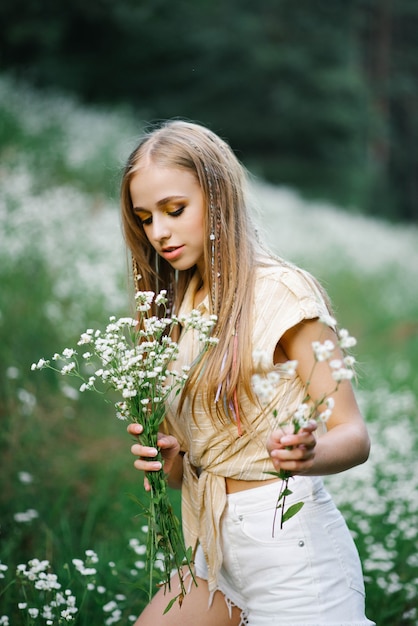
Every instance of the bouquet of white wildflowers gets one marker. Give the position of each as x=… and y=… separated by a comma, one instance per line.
x=133, y=357
x=308, y=410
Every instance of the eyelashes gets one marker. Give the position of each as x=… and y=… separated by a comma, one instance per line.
x=147, y=221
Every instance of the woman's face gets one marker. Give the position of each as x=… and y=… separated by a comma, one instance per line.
x=171, y=206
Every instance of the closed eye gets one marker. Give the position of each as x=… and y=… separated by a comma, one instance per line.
x=147, y=221
x=177, y=212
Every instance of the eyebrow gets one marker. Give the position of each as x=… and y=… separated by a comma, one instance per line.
x=161, y=202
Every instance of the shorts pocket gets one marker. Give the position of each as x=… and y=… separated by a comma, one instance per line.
x=263, y=527
x=345, y=551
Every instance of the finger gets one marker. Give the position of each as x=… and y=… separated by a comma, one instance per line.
x=147, y=466
x=143, y=451
x=135, y=429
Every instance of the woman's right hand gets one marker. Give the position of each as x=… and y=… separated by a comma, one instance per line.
x=169, y=448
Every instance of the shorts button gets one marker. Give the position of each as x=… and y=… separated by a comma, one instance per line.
x=301, y=543
x=240, y=517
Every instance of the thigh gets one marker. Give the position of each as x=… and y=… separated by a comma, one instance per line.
x=194, y=609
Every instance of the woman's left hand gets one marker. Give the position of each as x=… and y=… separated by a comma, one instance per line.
x=293, y=453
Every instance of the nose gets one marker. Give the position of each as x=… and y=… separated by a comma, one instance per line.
x=160, y=228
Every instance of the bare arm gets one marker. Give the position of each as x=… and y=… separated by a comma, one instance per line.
x=346, y=442
x=170, y=451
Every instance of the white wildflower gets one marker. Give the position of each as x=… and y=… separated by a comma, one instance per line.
x=68, y=353
x=39, y=365
x=67, y=369
x=85, y=339
x=323, y=351
x=25, y=478
x=26, y=516
x=345, y=339
x=110, y=606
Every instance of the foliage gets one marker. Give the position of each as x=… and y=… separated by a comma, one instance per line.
x=318, y=95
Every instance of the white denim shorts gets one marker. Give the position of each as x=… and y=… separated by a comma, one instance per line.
x=307, y=574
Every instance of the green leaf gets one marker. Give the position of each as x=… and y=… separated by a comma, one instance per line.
x=284, y=493
x=170, y=604
x=291, y=511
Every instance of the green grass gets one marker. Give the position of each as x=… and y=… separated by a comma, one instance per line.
x=62, y=269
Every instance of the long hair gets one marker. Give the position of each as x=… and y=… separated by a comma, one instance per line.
x=230, y=250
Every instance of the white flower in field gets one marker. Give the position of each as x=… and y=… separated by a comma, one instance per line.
x=33, y=612
x=27, y=399
x=139, y=565
x=67, y=614
x=345, y=339
x=12, y=373
x=4, y=620
x=139, y=549
x=323, y=351
x=85, y=338
x=67, y=369
x=3, y=568
x=161, y=297
x=26, y=516
x=25, y=478
x=22, y=605
x=39, y=365
x=68, y=353
x=92, y=556
x=101, y=589
x=120, y=597
x=110, y=606
x=47, y=613
x=69, y=392
x=47, y=582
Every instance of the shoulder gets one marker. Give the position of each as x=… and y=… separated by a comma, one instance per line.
x=284, y=295
x=277, y=278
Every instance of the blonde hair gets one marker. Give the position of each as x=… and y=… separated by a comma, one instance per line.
x=229, y=254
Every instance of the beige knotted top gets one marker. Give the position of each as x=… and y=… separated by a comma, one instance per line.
x=284, y=296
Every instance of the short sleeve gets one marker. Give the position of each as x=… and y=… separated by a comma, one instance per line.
x=284, y=296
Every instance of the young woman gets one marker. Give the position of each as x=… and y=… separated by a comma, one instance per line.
x=186, y=222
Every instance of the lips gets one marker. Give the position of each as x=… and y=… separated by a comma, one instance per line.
x=172, y=253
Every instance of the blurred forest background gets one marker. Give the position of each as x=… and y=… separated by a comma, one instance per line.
x=320, y=95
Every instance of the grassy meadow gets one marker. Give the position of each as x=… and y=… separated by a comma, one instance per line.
x=68, y=488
